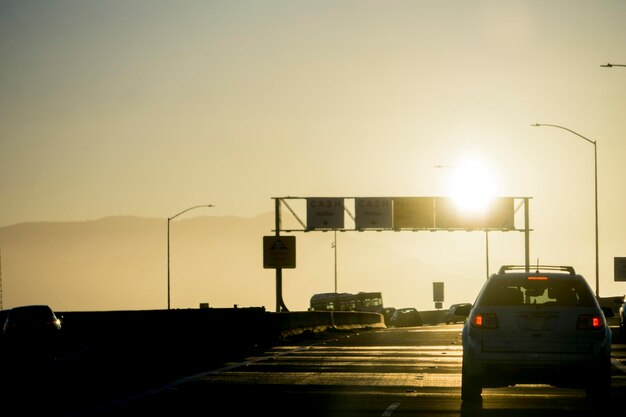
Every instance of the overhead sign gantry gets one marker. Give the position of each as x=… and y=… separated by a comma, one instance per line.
x=395, y=214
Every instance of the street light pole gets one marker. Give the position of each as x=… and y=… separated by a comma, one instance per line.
x=595, y=157
x=169, y=219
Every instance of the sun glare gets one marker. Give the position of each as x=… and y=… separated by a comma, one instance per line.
x=473, y=186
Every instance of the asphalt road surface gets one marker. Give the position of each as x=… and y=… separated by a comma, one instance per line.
x=391, y=372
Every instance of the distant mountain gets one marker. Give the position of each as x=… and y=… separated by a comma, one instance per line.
x=120, y=263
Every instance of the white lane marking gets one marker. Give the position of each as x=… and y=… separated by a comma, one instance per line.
x=618, y=364
x=389, y=411
x=234, y=366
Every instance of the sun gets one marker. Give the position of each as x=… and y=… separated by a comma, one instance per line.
x=472, y=186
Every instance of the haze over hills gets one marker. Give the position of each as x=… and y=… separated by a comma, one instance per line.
x=120, y=263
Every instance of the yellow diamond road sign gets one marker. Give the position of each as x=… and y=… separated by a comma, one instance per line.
x=279, y=251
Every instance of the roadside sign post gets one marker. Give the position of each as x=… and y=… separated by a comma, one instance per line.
x=438, y=295
x=279, y=252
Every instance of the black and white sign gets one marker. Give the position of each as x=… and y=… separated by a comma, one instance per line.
x=324, y=213
x=373, y=213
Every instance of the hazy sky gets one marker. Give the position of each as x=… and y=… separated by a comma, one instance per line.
x=148, y=107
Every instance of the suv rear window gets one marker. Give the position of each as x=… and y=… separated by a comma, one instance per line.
x=519, y=291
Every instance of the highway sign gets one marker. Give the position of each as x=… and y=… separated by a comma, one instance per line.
x=619, y=265
x=438, y=292
x=279, y=252
x=324, y=213
x=373, y=213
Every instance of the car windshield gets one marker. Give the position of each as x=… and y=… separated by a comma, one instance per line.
x=518, y=291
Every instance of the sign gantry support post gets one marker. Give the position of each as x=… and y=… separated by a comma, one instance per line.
x=280, y=304
x=526, y=236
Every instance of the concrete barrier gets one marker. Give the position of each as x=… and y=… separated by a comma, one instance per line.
x=431, y=317
x=197, y=332
x=210, y=329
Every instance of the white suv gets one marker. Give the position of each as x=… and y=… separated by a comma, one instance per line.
x=543, y=326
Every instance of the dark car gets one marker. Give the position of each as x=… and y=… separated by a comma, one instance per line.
x=457, y=313
x=387, y=314
x=406, y=317
x=32, y=329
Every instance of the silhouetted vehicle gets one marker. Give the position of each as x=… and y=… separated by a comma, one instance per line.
x=406, y=317
x=457, y=313
x=362, y=301
x=32, y=329
x=539, y=327
x=387, y=314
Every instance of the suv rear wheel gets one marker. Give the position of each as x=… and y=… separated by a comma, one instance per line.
x=599, y=388
x=471, y=388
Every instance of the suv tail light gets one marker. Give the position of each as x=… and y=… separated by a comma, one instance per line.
x=484, y=321
x=590, y=322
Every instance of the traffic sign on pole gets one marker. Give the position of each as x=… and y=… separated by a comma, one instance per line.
x=279, y=252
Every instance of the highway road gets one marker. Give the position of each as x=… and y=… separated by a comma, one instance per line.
x=389, y=372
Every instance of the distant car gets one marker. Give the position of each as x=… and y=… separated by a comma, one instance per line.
x=406, y=317
x=32, y=329
x=387, y=314
x=457, y=313
x=544, y=326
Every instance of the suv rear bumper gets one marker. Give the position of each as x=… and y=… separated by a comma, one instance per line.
x=557, y=370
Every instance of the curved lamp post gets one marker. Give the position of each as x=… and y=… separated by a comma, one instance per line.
x=168, y=245
x=595, y=155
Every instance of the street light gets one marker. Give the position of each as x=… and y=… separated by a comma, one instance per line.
x=595, y=156
x=609, y=65
x=168, y=245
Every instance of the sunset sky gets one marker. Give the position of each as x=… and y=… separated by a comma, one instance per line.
x=147, y=107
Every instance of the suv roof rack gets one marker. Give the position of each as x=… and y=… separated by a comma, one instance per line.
x=536, y=268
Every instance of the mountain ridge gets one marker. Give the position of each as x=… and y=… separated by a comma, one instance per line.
x=120, y=263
